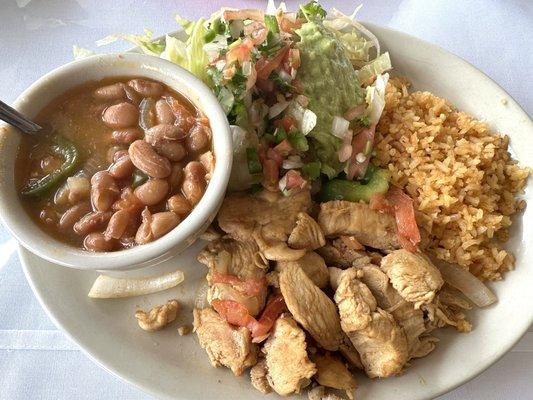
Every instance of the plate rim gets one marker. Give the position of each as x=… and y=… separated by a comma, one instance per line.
x=23, y=253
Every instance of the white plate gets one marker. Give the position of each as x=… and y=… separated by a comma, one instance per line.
x=169, y=366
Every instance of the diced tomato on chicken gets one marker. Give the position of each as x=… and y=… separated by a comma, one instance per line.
x=270, y=314
x=237, y=314
x=399, y=204
x=233, y=312
x=284, y=147
x=257, y=32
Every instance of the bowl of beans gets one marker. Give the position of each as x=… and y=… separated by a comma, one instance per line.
x=129, y=169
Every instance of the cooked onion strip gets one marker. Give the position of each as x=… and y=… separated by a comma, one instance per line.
x=475, y=290
x=107, y=287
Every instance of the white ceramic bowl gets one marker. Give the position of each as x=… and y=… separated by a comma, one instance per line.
x=95, y=68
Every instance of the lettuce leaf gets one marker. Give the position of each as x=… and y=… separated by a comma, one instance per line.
x=374, y=68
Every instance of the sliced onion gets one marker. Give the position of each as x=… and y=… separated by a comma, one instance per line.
x=466, y=283
x=146, y=113
x=339, y=127
x=107, y=287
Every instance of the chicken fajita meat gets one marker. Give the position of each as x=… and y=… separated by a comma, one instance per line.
x=288, y=367
x=375, y=334
x=369, y=227
x=225, y=345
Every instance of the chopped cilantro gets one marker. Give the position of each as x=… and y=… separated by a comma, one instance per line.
x=312, y=11
x=311, y=170
x=364, y=121
x=281, y=84
x=298, y=140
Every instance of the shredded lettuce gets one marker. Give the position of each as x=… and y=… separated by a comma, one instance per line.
x=375, y=98
x=374, y=68
x=144, y=42
x=356, y=39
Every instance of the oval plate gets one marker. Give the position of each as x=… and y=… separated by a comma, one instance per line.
x=173, y=367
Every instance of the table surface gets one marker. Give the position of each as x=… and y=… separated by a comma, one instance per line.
x=36, y=360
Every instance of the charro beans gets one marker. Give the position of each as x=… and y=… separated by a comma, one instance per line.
x=122, y=167
x=164, y=132
x=97, y=241
x=198, y=139
x=110, y=92
x=193, y=186
x=92, y=222
x=73, y=215
x=145, y=158
x=163, y=112
x=152, y=192
x=174, y=151
x=179, y=204
x=117, y=224
x=146, y=87
x=104, y=191
x=122, y=115
x=127, y=135
x=144, y=161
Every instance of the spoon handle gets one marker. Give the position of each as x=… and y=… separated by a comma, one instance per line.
x=13, y=117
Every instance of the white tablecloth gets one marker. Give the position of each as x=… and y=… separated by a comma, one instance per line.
x=36, y=360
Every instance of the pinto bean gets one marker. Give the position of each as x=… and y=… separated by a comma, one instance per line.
x=163, y=112
x=198, y=139
x=122, y=115
x=122, y=167
x=104, y=191
x=176, y=177
x=110, y=92
x=98, y=242
x=126, y=136
x=128, y=201
x=92, y=222
x=208, y=161
x=73, y=215
x=184, y=118
x=174, y=151
x=117, y=224
x=164, y=132
x=144, y=233
x=148, y=161
x=146, y=87
x=110, y=154
x=179, y=205
x=152, y=192
x=163, y=222
x=193, y=186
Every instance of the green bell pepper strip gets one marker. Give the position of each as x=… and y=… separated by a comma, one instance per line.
x=340, y=189
x=69, y=153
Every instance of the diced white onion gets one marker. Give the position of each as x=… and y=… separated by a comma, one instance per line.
x=360, y=158
x=282, y=184
x=108, y=287
x=277, y=109
x=220, y=64
x=339, y=127
x=292, y=162
x=308, y=121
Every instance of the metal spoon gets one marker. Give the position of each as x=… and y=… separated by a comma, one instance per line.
x=13, y=117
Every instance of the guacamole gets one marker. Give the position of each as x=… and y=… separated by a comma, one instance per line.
x=331, y=84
